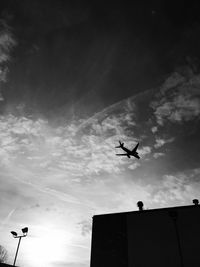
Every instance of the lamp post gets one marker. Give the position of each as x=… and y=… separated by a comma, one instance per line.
x=15, y=235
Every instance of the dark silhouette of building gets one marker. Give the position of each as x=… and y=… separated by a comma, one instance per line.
x=5, y=265
x=159, y=237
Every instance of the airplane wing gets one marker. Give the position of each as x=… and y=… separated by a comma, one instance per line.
x=121, y=154
x=135, y=148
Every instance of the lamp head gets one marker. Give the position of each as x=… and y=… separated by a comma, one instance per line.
x=25, y=230
x=14, y=234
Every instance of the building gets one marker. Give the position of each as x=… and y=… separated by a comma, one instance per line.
x=160, y=237
x=5, y=265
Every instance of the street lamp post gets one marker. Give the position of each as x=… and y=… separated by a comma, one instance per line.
x=15, y=235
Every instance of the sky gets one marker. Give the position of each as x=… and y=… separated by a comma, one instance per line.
x=76, y=77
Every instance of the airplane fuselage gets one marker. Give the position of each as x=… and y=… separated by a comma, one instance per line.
x=129, y=152
x=126, y=150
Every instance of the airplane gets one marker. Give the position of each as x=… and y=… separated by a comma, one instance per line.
x=129, y=153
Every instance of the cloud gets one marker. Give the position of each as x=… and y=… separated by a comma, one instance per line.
x=134, y=166
x=7, y=42
x=181, y=108
x=174, y=80
x=20, y=137
x=178, y=104
x=145, y=150
x=177, y=188
x=157, y=155
x=55, y=160
x=86, y=227
x=161, y=142
x=154, y=129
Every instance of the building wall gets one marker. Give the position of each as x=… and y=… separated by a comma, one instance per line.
x=162, y=237
x=5, y=265
x=109, y=241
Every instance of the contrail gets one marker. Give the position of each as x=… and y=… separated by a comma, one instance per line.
x=108, y=110
x=7, y=218
x=55, y=193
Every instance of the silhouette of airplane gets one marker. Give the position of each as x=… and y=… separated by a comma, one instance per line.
x=129, y=153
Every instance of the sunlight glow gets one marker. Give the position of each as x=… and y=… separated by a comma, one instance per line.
x=49, y=246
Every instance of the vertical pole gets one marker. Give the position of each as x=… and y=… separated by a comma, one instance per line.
x=17, y=250
x=174, y=215
x=179, y=244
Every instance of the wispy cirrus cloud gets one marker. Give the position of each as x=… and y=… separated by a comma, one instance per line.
x=37, y=148
x=144, y=150
x=161, y=141
x=158, y=154
x=174, y=80
x=176, y=188
x=154, y=129
x=181, y=108
x=179, y=101
x=7, y=42
x=86, y=227
x=134, y=165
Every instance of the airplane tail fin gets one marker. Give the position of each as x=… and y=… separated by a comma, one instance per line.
x=120, y=144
